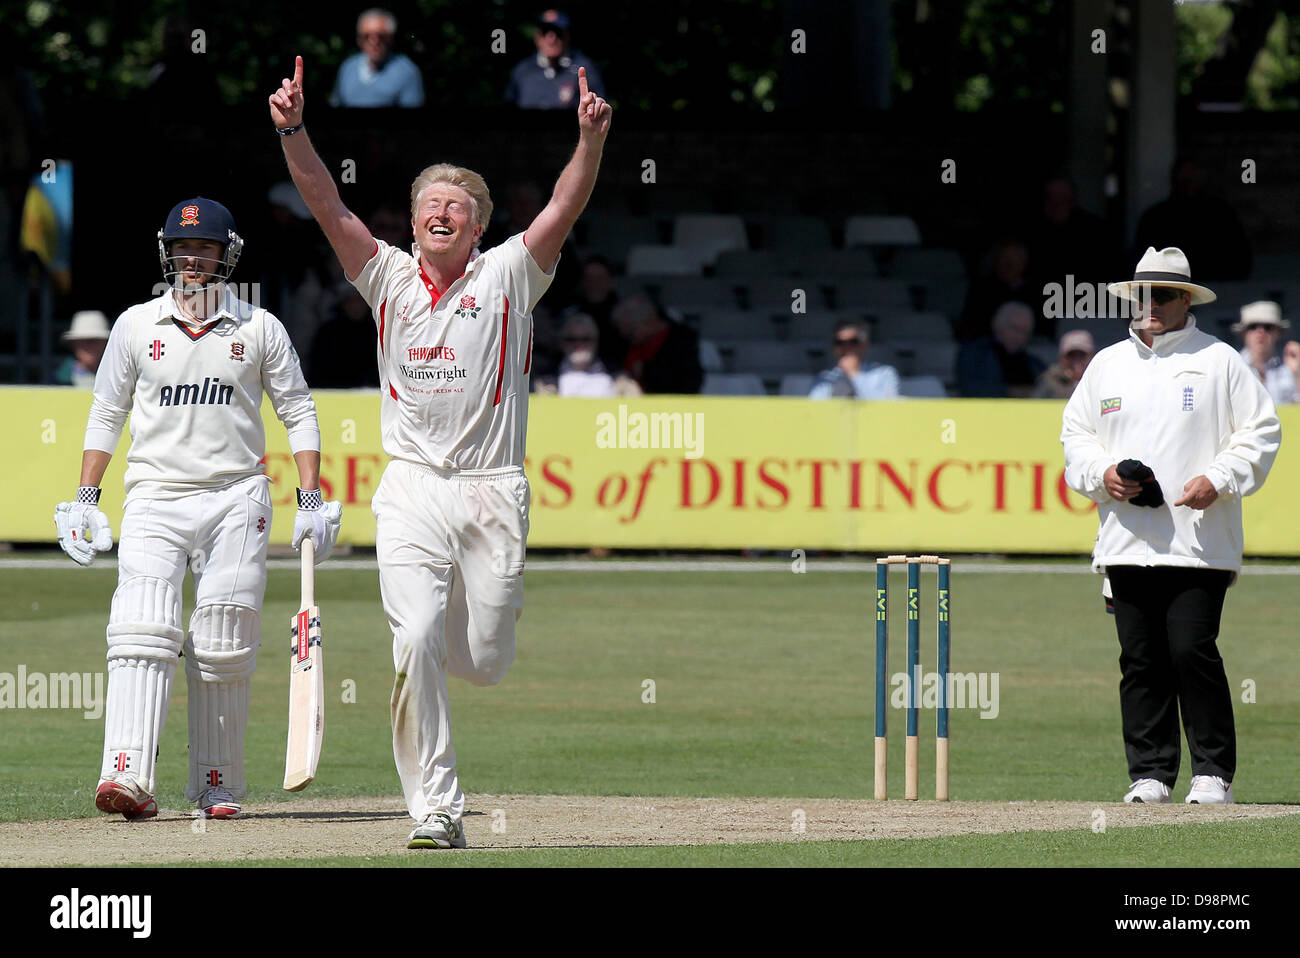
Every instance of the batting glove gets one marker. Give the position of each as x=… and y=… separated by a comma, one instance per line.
x=318, y=520
x=83, y=528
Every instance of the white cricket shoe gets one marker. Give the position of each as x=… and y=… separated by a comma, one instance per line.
x=1209, y=790
x=126, y=797
x=437, y=830
x=217, y=802
x=1147, y=791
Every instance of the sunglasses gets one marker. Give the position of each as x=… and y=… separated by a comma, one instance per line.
x=374, y=36
x=848, y=341
x=1254, y=326
x=1160, y=295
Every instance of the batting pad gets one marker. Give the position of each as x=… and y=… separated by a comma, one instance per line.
x=144, y=639
x=220, y=656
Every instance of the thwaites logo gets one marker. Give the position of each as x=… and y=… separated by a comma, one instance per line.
x=156, y=350
x=467, y=309
x=422, y=354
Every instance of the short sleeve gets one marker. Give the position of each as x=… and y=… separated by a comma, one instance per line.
x=524, y=280
x=377, y=275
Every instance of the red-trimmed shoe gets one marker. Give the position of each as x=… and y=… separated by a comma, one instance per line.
x=132, y=801
x=216, y=802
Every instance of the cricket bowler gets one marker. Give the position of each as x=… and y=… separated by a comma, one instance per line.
x=454, y=352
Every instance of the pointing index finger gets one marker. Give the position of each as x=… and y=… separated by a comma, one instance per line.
x=582, y=81
x=297, y=73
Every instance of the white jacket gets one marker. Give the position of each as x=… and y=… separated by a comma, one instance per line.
x=1189, y=407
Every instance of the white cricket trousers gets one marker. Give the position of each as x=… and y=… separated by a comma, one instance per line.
x=451, y=561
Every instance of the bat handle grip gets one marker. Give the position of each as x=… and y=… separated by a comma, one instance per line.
x=308, y=573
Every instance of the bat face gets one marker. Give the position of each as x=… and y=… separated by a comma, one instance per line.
x=306, y=700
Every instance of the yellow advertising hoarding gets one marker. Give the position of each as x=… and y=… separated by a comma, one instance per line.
x=700, y=472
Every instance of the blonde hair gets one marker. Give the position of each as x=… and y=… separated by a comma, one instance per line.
x=467, y=180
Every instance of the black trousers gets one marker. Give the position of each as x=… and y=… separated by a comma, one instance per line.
x=1168, y=622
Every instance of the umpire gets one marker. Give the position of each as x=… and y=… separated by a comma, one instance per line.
x=1167, y=431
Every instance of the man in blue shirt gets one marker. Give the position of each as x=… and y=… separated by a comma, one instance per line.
x=549, y=79
x=853, y=378
x=377, y=77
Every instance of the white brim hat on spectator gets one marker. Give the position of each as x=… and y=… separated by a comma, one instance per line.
x=1077, y=340
x=1261, y=313
x=87, y=324
x=1166, y=267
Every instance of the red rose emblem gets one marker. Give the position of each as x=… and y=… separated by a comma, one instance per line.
x=467, y=302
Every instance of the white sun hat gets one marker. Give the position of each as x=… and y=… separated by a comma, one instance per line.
x=87, y=324
x=1166, y=267
x=1261, y=313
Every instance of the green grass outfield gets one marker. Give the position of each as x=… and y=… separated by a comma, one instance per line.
x=763, y=687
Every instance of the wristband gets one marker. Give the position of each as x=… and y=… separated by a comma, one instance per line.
x=309, y=499
x=288, y=131
x=89, y=495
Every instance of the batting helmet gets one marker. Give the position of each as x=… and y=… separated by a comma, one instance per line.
x=199, y=218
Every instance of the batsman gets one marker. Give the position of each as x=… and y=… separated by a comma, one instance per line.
x=190, y=367
x=455, y=351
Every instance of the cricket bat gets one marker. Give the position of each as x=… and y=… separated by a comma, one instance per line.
x=306, y=683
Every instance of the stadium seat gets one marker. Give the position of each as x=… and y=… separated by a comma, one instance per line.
x=926, y=265
x=871, y=296
x=749, y=262
x=881, y=231
x=947, y=296
x=921, y=357
x=768, y=356
x=814, y=326
x=694, y=293
x=776, y=293
x=922, y=387
x=732, y=384
x=710, y=356
x=709, y=235
x=797, y=384
x=932, y=326
x=825, y=265
x=801, y=233
x=613, y=235
x=645, y=260
x=734, y=324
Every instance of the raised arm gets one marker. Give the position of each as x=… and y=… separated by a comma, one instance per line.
x=572, y=190
x=350, y=238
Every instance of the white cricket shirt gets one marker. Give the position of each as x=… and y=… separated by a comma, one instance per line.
x=454, y=363
x=195, y=396
x=1190, y=406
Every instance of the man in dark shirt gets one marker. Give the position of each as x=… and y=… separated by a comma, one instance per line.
x=663, y=356
x=1203, y=226
x=548, y=80
x=998, y=365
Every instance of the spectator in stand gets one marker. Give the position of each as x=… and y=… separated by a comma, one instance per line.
x=523, y=202
x=1077, y=350
x=296, y=282
x=1261, y=328
x=597, y=297
x=1004, y=276
x=1203, y=226
x=1068, y=240
x=378, y=76
x=548, y=80
x=86, y=338
x=852, y=377
x=581, y=372
x=344, y=345
x=998, y=365
x=663, y=356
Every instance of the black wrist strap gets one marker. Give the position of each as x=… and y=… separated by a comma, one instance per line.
x=88, y=495
x=309, y=499
x=288, y=131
